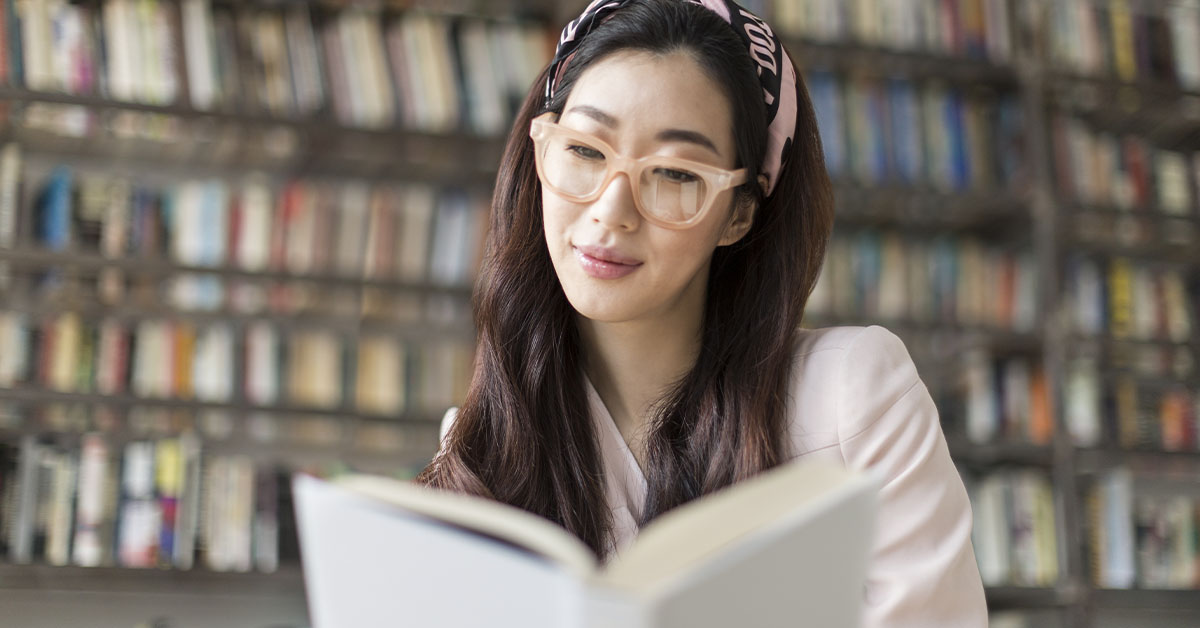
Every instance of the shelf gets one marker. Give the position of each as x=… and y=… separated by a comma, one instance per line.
x=43, y=396
x=159, y=267
x=287, y=581
x=861, y=59
x=317, y=123
x=921, y=207
x=417, y=332
x=1163, y=112
x=1013, y=597
x=984, y=455
x=1091, y=460
x=1173, y=600
x=230, y=144
x=1145, y=234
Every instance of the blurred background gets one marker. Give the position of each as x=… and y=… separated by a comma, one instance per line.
x=238, y=239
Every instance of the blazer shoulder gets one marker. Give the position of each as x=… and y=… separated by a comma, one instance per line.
x=832, y=363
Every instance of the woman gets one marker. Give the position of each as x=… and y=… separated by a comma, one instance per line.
x=660, y=217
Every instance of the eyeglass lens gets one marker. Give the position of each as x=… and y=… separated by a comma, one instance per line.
x=575, y=168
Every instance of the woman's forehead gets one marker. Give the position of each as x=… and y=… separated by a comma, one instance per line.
x=642, y=93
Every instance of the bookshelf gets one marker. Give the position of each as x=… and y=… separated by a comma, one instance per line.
x=305, y=120
x=1078, y=95
x=1024, y=86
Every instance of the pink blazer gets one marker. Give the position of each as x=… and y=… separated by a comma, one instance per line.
x=856, y=400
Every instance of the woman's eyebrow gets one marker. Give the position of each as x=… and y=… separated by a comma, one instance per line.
x=666, y=135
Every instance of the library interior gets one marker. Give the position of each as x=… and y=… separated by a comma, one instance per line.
x=238, y=240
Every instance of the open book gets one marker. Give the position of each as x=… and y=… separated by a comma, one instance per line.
x=788, y=547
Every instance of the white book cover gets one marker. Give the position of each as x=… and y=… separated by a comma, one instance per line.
x=355, y=68
x=1082, y=400
x=36, y=45
x=380, y=376
x=305, y=64
x=187, y=518
x=352, y=228
x=420, y=84
x=487, y=100
x=253, y=246
x=199, y=53
x=14, y=334
x=119, y=39
x=982, y=422
x=1120, y=559
x=790, y=543
x=262, y=364
x=64, y=471
x=88, y=548
x=212, y=366
x=1183, y=16
x=381, y=98
x=990, y=535
x=140, y=516
x=416, y=228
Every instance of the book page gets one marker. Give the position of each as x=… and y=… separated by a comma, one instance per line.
x=681, y=540
x=509, y=524
x=369, y=564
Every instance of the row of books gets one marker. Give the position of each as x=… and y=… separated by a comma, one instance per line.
x=1122, y=171
x=1005, y=399
x=907, y=132
x=1124, y=39
x=417, y=69
x=149, y=503
x=1103, y=406
x=410, y=233
x=1127, y=299
x=977, y=29
x=169, y=359
x=1141, y=540
x=956, y=281
x=1015, y=533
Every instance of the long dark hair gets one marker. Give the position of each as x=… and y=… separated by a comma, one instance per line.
x=524, y=435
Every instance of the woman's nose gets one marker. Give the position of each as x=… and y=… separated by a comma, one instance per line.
x=615, y=207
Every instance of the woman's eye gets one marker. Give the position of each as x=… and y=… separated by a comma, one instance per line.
x=586, y=152
x=676, y=176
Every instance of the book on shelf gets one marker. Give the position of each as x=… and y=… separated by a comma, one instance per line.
x=406, y=233
x=975, y=29
x=917, y=133
x=152, y=503
x=1015, y=535
x=161, y=358
x=947, y=280
x=1129, y=299
x=788, y=542
x=1128, y=411
x=1123, y=172
x=1122, y=39
x=1005, y=399
x=1139, y=538
x=371, y=68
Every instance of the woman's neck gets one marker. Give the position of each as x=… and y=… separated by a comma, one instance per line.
x=631, y=365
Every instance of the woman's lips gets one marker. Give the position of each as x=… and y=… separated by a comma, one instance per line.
x=602, y=263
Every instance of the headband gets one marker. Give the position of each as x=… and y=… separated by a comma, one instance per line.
x=775, y=71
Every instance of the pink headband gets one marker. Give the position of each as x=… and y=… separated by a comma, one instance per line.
x=775, y=71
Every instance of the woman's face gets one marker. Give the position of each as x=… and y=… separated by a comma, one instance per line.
x=614, y=265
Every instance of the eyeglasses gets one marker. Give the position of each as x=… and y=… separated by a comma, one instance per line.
x=667, y=191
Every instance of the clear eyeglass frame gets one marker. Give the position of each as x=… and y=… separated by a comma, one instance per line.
x=716, y=180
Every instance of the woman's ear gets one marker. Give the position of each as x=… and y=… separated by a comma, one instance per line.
x=742, y=217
